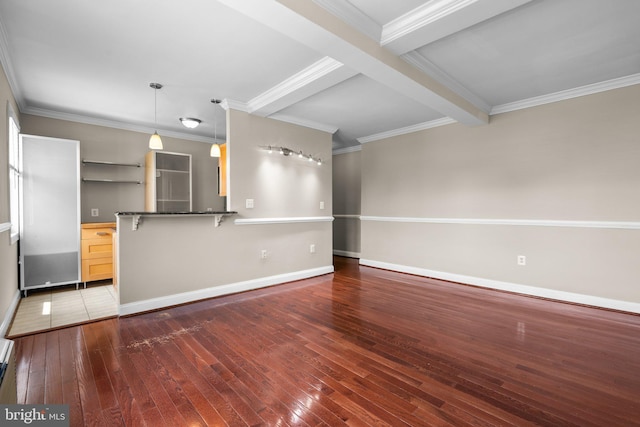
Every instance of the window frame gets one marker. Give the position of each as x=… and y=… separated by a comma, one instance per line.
x=13, y=160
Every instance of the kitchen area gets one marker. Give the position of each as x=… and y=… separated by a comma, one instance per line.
x=156, y=228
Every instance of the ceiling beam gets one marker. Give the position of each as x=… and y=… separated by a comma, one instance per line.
x=435, y=20
x=319, y=76
x=312, y=25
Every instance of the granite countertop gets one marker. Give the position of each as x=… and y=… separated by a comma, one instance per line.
x=177, y=213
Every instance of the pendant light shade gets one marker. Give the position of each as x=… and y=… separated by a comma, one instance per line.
x=155, y=143
x=215, y=147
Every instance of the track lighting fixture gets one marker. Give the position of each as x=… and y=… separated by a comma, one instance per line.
x=288, y=152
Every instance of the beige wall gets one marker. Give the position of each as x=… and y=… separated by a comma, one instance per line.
x=346, y=203
x=167, y=257
x=280, y=186
x=117, y=145
x=575, y=160
x=8, y=251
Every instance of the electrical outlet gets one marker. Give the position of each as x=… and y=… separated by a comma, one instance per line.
x=321, y=205
x=312, y=248
x=248, y=203
x=522, y=260
x=95, y=212
x=263, y=254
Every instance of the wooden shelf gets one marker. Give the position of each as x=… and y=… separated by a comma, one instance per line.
x=114, y=181
x=100, y=162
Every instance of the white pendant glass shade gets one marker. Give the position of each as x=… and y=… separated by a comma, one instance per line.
x=215, y=150
x=155, y=143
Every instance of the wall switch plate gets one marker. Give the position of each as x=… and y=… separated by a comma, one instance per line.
x=522, y=260
x=321, y=205
x=248, y=203
x=95, y=212
x=312, y=248
x=263, y=254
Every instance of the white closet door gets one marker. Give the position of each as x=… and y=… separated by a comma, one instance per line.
x=50, y=211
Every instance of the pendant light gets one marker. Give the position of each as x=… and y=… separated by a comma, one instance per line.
x=215, y=147
x=155, y=143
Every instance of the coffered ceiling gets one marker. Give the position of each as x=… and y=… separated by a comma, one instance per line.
x=361, y=69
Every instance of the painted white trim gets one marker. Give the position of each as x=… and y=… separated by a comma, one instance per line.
x=284, y=220
x=628, y=306
x=227, y=104
x=513, y=106
x=215, y=291
x=346, y=216
x=5, y=226
x=345, y=150
x=77, y=118
x=347, y=254
x=8, y=317
x=353, y=16
x=405, y=130
x=296, y=82
x=420, y=17
x=626, y=225
x=568, y=94
x=431, y=69
x=305, y=123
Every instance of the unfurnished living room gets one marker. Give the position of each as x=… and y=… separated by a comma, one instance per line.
x=320, y=213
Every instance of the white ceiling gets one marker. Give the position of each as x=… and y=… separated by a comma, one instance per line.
x=308, y=62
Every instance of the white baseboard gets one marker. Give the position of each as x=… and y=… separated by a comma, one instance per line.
x=347, y=254
x=215, y=291
x=8, y=317
x=628, y=306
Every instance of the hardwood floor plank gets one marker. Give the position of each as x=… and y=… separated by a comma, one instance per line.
x=24, y=357
x=360, y=347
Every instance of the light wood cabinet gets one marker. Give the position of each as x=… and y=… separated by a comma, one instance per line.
x=222, y=171
x=97, y=251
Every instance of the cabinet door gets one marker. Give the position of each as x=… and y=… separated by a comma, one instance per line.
x=50, y=211
x=168, y=182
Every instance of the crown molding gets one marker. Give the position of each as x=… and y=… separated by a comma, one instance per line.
x=7, y=65
x=77, y=118
x=352, y=16
x=431, y=69
x=405, y=130
x=420, y=17
x=227, y=104
x=345, y=150
x=298, y=81
x=517, y=105
x=568, y=94
x=306, y=123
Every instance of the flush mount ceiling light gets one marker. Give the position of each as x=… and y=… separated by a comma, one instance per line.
x=190, y=122
x=215, y=147
x=155, y=143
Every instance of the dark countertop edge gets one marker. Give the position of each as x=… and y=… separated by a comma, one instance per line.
x=176, y=213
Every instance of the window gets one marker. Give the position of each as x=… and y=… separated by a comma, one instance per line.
x=14, y=173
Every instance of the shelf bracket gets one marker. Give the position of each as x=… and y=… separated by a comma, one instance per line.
x=135, y=222
x=218, y=219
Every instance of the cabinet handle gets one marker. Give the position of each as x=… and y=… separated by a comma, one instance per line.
x=102, y=233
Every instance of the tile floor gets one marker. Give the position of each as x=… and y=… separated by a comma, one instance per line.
x=66, y=307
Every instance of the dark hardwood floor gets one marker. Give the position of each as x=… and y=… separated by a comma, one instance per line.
x=361, y=347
